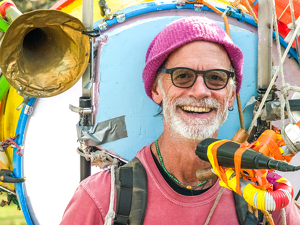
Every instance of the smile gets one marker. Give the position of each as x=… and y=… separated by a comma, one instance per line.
x=194, y=109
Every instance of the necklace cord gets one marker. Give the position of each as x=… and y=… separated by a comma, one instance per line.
x=170, y=175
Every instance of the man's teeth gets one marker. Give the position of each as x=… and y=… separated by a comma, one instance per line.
x=195, y=109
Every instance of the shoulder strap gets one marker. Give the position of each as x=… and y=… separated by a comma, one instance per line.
x=244, y=216
x=131, y=185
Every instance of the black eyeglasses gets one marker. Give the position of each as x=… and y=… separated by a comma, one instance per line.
x=215, y=79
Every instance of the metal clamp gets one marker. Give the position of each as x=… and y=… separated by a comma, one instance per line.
x=80, y=110
x=103, y=26
x=198, y=7
x=180, y=5
x=92, y=33
x=28, y=110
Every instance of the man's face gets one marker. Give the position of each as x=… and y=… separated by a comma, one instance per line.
x=196, y=112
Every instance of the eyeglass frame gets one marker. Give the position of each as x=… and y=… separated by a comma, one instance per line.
x=171, y=71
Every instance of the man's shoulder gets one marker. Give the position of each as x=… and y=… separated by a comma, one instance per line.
x=98, y=186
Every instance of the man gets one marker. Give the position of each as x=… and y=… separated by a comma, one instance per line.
x=189, y=72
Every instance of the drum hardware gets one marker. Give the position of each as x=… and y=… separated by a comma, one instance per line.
x=28, y=110
x=80, y=110
x=120, y=18
x=106, y=11
x=25, y=100
x=104, y=8
x=180, y=4
x=102, y=26
x=198, y=7
x=7, y=190
x=226, y=11
x=93, y=33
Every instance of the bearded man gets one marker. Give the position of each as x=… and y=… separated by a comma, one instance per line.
x=193, y=71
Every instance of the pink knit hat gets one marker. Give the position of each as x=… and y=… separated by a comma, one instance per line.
x=181, y=32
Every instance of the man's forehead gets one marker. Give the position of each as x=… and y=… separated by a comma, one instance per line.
x=197, y=50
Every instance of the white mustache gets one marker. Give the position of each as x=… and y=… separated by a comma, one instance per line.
x=204, y=103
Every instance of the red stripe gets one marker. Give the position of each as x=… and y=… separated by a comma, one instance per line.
x=4, y=6
x=62, y=4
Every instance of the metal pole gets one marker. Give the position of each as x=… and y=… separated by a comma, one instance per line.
x=265, y=42
x=87, y=79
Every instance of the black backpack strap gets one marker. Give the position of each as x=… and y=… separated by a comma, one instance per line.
x=131, y=185
x=244, y=216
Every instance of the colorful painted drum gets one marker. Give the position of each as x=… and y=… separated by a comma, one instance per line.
x=48, y=135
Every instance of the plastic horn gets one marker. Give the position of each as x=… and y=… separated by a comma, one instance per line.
x=207, y=173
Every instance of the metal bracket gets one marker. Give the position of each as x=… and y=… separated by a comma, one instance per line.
x=198, y=7
x=80, y=110
x=180, y=5
x=25, y=100
x=119, y=16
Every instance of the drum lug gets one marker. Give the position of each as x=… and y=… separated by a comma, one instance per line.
x=198, y=7
x=28, y=110
x=103, y=26
x=180, y=5
x=120, y=17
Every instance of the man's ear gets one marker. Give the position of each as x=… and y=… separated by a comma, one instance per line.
x=231, y=99
x=157, y=95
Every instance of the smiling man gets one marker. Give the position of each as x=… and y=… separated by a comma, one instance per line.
x=193, y=71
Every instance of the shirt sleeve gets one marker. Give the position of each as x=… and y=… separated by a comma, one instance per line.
x=291, y=212
x=82, y=210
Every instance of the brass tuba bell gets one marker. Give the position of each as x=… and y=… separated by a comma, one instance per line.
x=44, y=53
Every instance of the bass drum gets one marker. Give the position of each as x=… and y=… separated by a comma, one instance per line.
x=50, y=163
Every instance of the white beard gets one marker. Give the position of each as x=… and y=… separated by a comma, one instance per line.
x=194, y=128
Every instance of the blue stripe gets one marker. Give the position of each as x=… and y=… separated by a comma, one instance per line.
x=152, y=7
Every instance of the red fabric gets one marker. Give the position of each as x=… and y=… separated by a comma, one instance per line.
x=284, y=31
x=4, y=6
x=90, y=202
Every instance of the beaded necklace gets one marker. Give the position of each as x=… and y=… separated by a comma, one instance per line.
x=170, y=175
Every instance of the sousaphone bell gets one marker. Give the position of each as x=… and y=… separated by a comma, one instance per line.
x=44, y=53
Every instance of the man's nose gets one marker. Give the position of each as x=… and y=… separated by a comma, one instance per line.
x=199, y=89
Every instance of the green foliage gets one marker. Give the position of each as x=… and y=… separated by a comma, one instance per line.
x=10, y=214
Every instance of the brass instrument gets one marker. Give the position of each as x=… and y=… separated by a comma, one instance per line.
x=44, y=53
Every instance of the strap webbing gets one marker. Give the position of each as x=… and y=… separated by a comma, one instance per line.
x=124, y=206
x=131, y=185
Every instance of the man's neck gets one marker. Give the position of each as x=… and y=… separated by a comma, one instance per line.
x=179, y=158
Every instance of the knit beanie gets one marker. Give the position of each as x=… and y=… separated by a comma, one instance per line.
x=181, y=32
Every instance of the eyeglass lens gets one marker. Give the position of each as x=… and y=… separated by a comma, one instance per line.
x=213, y=79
